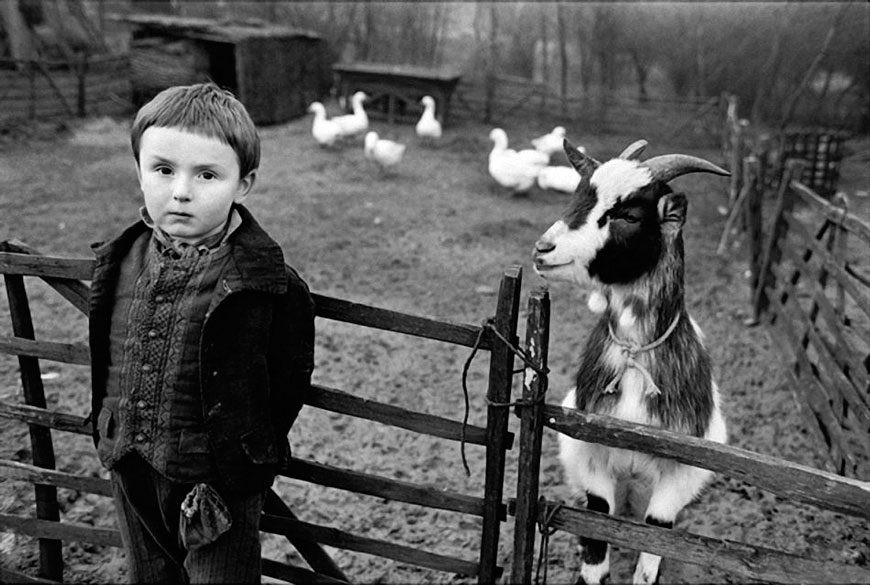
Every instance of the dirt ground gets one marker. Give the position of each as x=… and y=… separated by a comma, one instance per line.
x=433, y=240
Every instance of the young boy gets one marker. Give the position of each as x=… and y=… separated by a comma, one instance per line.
x=202, y=347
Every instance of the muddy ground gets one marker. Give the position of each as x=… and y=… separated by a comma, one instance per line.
x=433, y=240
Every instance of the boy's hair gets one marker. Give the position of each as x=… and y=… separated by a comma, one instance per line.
x=205, y=109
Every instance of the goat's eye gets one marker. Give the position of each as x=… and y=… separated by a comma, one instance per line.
x=628, y=215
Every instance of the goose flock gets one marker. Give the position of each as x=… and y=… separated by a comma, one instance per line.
x=517, y=170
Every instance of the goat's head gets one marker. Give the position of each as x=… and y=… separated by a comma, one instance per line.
x=622, y=217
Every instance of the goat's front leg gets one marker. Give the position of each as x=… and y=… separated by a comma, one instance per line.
x=673, y=491
x=595, y=554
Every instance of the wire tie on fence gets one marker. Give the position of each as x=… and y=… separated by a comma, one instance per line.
x=468, y=361
x=489, y=323
x=546, y=531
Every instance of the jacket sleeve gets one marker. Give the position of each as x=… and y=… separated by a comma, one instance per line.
x=291, y=353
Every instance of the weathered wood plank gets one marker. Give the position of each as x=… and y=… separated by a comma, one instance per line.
x=829, y=263
x=498, y=397
x=772, y=252
x=75, y=291
x=312, y=552
x=10, y=576
x=347, y=541
x=847, y=221
x=293, y=574
x=390, y=489
x=34, y=415
x=740, y=559
x=67, y=353
x=790, y=480
x=50, y=553
x=531, y=415
x=814, y=409
x=377, y=318
x=33, y=474
x=846, y=354
x=45, y=266
x=825, y=364
x=342, y=402
x=60, y=531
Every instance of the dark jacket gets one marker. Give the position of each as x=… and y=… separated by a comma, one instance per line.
x=256, y=352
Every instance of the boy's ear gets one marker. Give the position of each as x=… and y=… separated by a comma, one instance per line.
x=246, y=183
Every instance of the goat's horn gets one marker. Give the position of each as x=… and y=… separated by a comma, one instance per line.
x=633, y=150
x=670, y=166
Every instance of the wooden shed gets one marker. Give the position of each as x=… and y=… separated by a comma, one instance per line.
x=276, y=71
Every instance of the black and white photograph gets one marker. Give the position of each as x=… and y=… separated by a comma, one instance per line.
x=527, y=293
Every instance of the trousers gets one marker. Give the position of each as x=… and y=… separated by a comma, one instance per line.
x=148, y=507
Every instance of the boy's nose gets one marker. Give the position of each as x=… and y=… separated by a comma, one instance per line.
x=181, y=190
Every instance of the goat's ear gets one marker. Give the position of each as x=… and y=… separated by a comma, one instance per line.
x=672, y=211
x=583, y=164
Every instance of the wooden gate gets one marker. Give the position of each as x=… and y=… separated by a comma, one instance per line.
x=66, y=275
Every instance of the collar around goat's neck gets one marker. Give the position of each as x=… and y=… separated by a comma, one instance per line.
x=633, y=348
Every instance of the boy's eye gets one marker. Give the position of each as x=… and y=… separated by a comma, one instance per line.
x=208, y=175
x=163, y=170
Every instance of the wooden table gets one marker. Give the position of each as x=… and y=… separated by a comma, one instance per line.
x=395, y=90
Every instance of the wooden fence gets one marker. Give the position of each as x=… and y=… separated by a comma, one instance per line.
x=812, y=293
x=743, y=561
x=600, y=112
x=65, y=276
x=531, y=510
x=41, y=89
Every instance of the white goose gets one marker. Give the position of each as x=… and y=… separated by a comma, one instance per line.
x=385, y=153
x=564, y=179
x=428, y=127
x=550, y=143
x=516, y=170
x=357, y=122
x=325, y=131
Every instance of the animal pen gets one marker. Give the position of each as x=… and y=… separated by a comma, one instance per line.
x=531, y=511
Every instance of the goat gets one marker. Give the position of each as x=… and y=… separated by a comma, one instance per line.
x=644, y=361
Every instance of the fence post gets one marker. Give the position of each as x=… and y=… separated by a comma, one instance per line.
x=753, y=182
x=50, y=554
x=531, y=431
x=498, y=394
x=772, y=251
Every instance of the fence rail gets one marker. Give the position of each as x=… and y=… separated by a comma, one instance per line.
x=599, y=112
x=65, y=275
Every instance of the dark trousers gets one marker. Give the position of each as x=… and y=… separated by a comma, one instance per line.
x=148, y=507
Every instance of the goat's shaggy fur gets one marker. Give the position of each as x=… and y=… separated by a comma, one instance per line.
x=644, y=361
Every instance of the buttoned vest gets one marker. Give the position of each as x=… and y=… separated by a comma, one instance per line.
x=154, y=404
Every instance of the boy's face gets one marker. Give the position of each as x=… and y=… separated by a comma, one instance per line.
x=189, y=182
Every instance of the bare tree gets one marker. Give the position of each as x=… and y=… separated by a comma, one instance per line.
x=791, y=103
x=563, y=57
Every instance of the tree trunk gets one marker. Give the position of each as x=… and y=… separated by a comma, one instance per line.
x=563, y=58
x=545, y=58
x=792, y=101
x=641, y=73
x=769, y=72
x=492, y=64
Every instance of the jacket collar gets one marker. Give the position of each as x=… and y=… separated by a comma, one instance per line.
x=256, y=258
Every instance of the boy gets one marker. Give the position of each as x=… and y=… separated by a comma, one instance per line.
x=202, y=347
